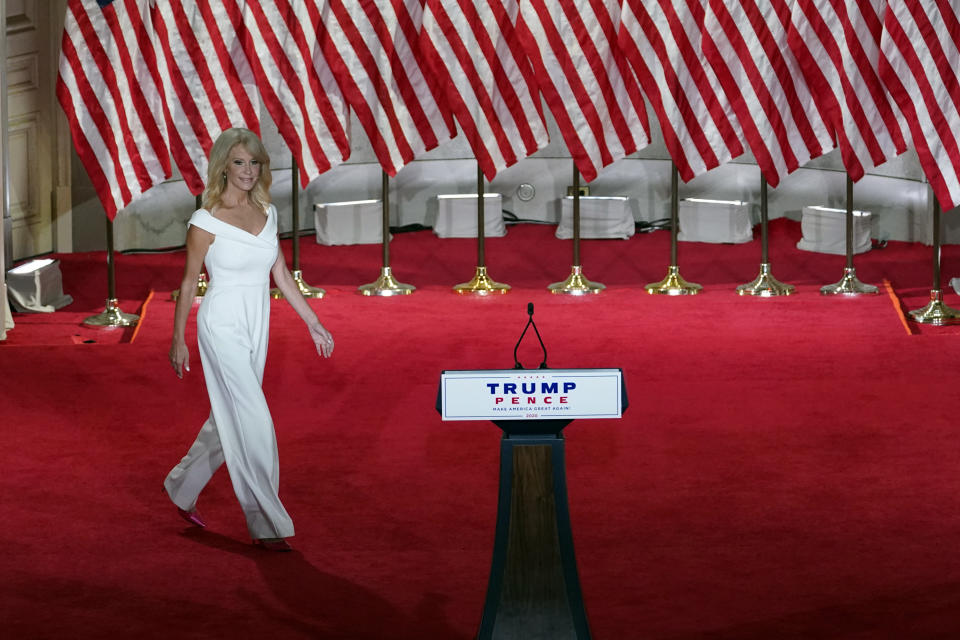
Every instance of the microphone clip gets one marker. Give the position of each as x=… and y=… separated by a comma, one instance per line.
x=530, y=322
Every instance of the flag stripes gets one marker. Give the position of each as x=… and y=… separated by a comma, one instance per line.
x=586, y=82
x=146, y=81
x=661, y=39
x=921, y=55
x=746, y=43
x=108, y=87
x=295, y=82
x=473, y=48
x=206, y=74
x=373, y=51
x=837, y=43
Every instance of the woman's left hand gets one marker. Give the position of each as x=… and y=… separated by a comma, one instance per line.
x=323, y=339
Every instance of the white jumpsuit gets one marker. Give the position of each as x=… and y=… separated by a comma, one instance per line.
x=232, y=326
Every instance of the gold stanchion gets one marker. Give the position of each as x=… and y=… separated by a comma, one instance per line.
x=111, y=316
x=386, y=284
x=765, y=285
x=305, y=289
x=936, y=312
x=201, y=279
x=576, y=284
x=849, y=284
x=201, y=288
x=481, y=284
x=674, y=284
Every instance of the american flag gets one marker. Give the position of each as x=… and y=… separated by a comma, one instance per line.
x=587, y=83
x=746, y=43
x=295, y=82
x=919, y=66
x=373, y=50
x=837, y=43
x=473, y=48
x=661, y=39
x=109, y=88
x=208, y=83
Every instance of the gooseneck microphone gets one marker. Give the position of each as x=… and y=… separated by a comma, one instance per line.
x=530, y=322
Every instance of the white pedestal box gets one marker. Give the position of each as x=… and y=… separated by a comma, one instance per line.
x=355, y=222
x=457, y=216
x=719, y=221
x=600, y=217
x=37, y=285
x=825, y=230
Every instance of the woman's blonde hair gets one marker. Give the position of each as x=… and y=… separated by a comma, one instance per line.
x=217, y=169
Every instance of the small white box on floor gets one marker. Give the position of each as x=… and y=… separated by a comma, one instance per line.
x=457, y=216
x=719, y=221
x=600, y=217
x=825, y=230
x=354, y=222
x=37, y=286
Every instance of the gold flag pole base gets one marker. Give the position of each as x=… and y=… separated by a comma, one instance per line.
x=386, y=285
x=576, y=284
x=201, y=288
x=936, y=313
x=849, y=285
x=305, y=290
x=765, y=285
x=481, y=285
x=673, y=285
x=112, y=317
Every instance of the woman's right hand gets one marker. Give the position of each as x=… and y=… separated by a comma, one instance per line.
x=179, y=357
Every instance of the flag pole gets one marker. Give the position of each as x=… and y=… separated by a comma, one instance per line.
x=936, y=312
x=674, y=284
x=386, y=284
x=765, y=285
x=481, y=284
x=111, y=316
x=305, y=289
x=849, y=284
x=576, y=284
x=202, y=278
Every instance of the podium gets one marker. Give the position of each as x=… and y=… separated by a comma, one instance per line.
x=534, y=589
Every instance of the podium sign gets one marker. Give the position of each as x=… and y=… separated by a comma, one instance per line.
x=531, y=394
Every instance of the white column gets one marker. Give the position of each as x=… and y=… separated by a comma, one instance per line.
x=6, y=321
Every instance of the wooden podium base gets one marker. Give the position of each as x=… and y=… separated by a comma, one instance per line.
x=534, y=589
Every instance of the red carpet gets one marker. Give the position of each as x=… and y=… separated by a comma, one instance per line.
x=787, y=467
